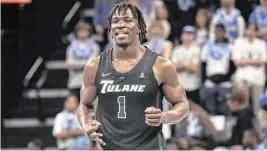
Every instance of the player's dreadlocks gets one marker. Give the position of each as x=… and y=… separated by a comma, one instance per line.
x=136, y=13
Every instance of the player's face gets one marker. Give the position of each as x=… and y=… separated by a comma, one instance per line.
x=124, y=28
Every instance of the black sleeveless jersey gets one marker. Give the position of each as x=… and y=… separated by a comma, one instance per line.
x=122, y=100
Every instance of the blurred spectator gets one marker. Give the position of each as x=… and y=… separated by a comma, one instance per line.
x=95, y=146
x=81, y=49
x=262, y=115
x=147, y=7
x=102, y=9
x=183, y=11
x=200, y=127
x=263, y=144
x=36, y=144
x=183, y=144
x=171, y=146
x=197, y=148
x=67, y=128
x=244, y=115
x=250, y=140
x=258, y=19
x=220, y=148
x=249, y=56
x=237, y=147
x=246, y=7
x=231, y=18
x=217, y=69
x=187, y=61
x=203, y=116
x=171, y=29
x=156, y=41
x=195, y=129
x=108, y=46
x=202, y=25
x=161, y=15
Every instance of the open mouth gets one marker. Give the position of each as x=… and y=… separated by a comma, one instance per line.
x=122, y=34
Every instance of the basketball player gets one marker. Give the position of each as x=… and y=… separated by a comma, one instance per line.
x=129, y=81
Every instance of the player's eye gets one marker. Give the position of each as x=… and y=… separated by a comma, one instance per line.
x=115, y=21
x=127, y=21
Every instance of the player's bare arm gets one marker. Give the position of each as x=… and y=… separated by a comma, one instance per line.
x=88, y=95
x=174, y=92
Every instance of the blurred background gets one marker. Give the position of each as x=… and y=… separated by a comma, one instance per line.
x=217, y=46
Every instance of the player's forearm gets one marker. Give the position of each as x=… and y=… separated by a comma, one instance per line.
x=84, y=115
x=178, y=112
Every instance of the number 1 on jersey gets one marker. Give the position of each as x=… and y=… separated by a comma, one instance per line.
x=122, y=112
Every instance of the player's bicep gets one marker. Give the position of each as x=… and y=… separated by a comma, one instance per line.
x=88, y=95
x=88, y=90
x=172, y=89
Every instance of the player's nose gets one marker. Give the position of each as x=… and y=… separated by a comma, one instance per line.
x=121, y=24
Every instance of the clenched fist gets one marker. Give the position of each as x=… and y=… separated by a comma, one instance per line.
x=91, y=129
x=154, y=116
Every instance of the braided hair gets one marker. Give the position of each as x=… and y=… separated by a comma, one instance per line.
x=136, y=13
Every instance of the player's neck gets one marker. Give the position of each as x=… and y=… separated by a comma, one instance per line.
x=131, y=51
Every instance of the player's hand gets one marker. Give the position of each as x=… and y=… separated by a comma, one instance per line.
x=153, y=116
x=91, y=129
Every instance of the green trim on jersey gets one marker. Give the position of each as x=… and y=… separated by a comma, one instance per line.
x=160, y=139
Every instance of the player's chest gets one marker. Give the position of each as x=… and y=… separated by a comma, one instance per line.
x=134, y=82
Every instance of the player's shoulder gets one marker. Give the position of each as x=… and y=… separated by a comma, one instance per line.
x=163, y=64
x=93, y=63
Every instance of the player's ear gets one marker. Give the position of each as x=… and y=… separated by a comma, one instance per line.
x=138, y=30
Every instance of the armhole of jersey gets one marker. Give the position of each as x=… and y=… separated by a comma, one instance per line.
x=98, y=70
x=153, y=63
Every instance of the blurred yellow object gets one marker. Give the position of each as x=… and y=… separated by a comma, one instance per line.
x=16, y=1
